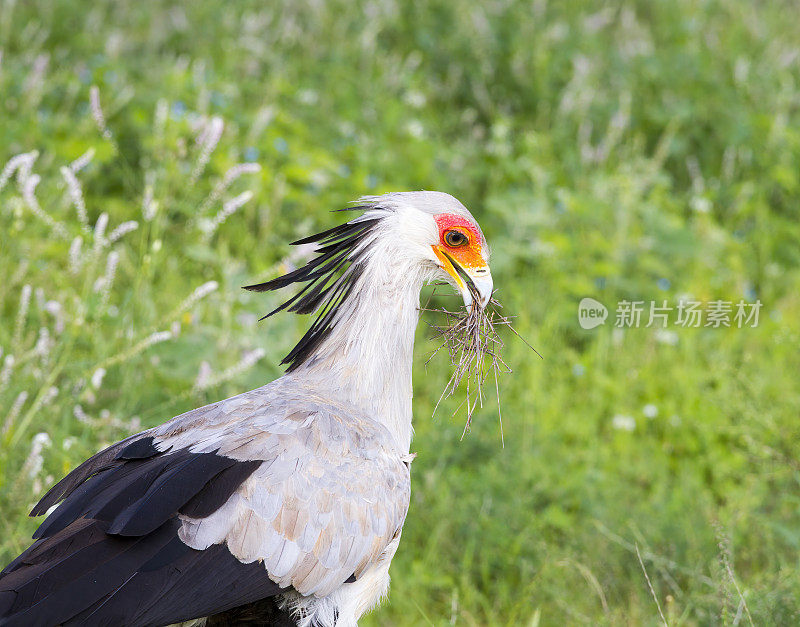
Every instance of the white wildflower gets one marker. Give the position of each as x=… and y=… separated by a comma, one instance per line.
x=108, y=278
x=149, y=206
x=299, y=255
x=623, y=422
x=308, y=96
x=29, y=183
x=68, y=442
x=248, y=360
x=199, y=293
x=415, y=99
x=16, y=407
x=97, y=377
x=650, y=411
x=415, y=129
x=664, y=336
x=599, y=20
x=82, y=161
x=24, y=169
x=207, y=141
x=203, y=376
x=8, y=367
x=76, y=194
x=35, y=79
x=81, y=415
x=700, y=204
x=97, y=111
x=22, y=313
x=320, y=179
x=54, y=308
x=21, y=162
x=230, y=176
x=230, y=207
x=142, y=345
x=75, y=259
x=44, y=344
x=33, y=465
x=50, y=395
x=100, y=232
x=122, y=229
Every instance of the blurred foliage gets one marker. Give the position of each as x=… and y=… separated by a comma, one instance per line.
x=619, y=150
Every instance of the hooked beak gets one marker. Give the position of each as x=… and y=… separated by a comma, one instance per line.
x=483, y=286
x=474, y=284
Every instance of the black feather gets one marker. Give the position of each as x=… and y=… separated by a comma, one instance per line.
x=139, y=449
x=258, y=614
x=105, y=459
x=171, y=490
x=322, y=326
x=329, y=279
x=42, y=551
x=53, y=591
x=106, y=493
x=339, y=231
x=138, y=495
x=218, y=490
x=355, y=208
x=153, y=579
x=110, y=555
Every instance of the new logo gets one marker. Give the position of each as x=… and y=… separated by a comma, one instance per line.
x=591, y=313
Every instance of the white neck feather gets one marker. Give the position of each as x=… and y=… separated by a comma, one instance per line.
x=367, y=358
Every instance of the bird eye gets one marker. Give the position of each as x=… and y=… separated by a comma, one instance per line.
x=455, y=238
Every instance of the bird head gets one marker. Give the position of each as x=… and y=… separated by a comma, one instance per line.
x=463, y=256
x=439, y=232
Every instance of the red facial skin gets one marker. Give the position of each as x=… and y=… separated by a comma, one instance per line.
x=449, y=221
x=469, y=255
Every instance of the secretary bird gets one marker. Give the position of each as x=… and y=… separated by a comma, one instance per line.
x=283, y=505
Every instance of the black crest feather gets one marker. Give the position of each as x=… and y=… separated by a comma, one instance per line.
x=329, y=279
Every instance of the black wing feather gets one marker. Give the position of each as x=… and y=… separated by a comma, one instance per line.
x=105, y=494
x=168, y=493
x=130, y=582
x=218, y=490
x=105, y=459
x=110, y=554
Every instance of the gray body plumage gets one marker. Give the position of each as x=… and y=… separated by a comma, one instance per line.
x=331, y=495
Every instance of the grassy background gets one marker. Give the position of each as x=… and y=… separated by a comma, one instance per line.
x=620, y=150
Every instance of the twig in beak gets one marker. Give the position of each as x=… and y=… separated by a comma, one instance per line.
x=471, y=339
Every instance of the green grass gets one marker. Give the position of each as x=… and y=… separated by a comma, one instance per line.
x=639, y=151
